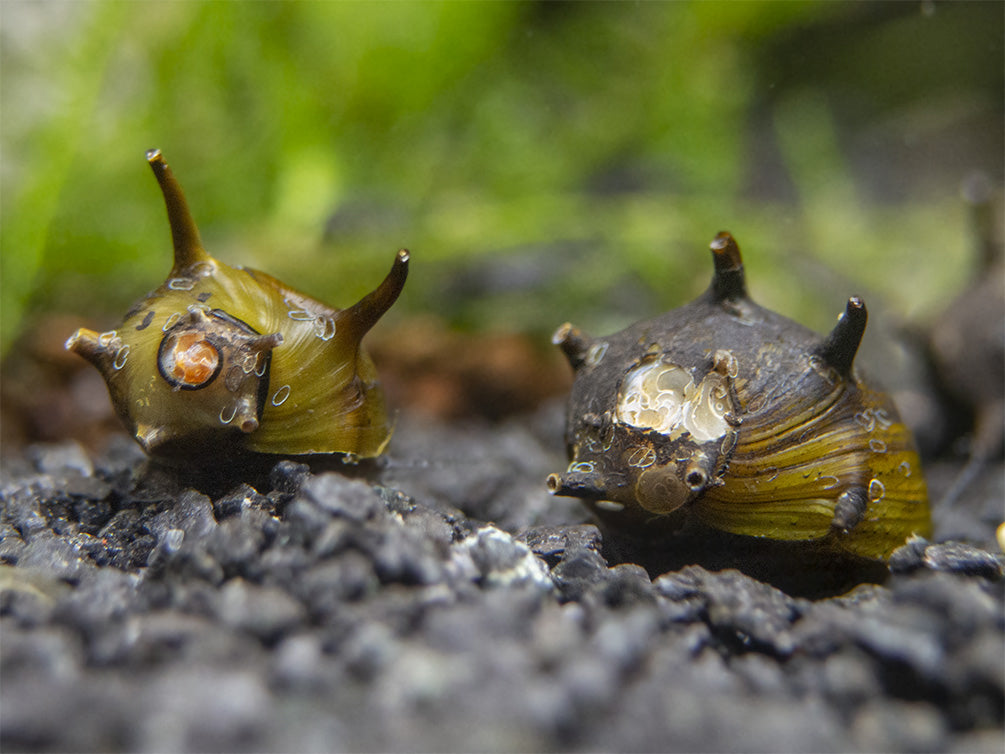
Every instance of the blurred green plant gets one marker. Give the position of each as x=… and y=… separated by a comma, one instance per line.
x=596, y=146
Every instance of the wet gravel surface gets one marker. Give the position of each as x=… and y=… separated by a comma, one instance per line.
x=442, y=601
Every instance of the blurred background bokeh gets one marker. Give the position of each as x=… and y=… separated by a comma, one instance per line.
x=542, y=161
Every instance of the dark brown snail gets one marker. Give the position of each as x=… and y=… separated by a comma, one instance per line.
x=222, y=358
x=731, y=413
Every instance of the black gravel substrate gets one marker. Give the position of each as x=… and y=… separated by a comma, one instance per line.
x=313, y=611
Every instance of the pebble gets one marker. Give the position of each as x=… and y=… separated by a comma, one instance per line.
x=551, y=542
x=267, y=613
x=948, y=557
x=336, y=495
x=580, y=570
x=242, y=498
x=287, y=476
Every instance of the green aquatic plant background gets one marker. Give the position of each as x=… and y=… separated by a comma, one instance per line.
x=542, y=161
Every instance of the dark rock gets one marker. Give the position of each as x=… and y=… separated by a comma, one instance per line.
x=99, y=712
x=55, y=556
x=165, y=635
x=171, y=559
x=53, y=458
x=551, y=542
x=958, y=557
x=299, y=663
x=265, y=612
x=288, y=476
x=744, y=613
x=203, y=708
x=499, y=560
x=191, y=513
x=106, y=596
x=92, y=514
x=24, y=511
x=756, y=616
x=50, y=652
x=899, y=726
x=305, y=520
x=628, y=585
x=236, y=545
x=11, y=544
x=399, y=556
x=470, y=625
x=243, y=497
x=181, y=553
x=78, y=487
x=959, y=609
x=336, y=536
x=848, y=678
x=580, y=570
x=260, y=520
x=121, y=460
x=434, y=526
x=369, y=650
x=128, y=542
x=28, y=598
x=327, y=586
x=952, y=557
x=284, y=564
x=347, y=498
x=624, y=641
x=397, y=501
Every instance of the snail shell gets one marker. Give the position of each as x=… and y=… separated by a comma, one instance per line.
x=222, y=358
x=729, y=412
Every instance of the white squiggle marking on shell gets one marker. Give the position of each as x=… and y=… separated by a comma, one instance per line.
x=171, y=321
x=227, y=418
x=728, y=443
x=641, y=457
x=607, y=438
x=181, y=284
x=832, y=482
x=249, y=362
x=660, y=396
x=280, y=396
x=596, y=354
x=324, y=328
x=876, y=490
x=866, y=420
x=121, y=356
x=877, y=446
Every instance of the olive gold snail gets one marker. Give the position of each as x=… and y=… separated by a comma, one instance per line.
x=731, y=413
x=221, y=359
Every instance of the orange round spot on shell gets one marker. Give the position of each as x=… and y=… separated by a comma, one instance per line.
x=195, y=359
